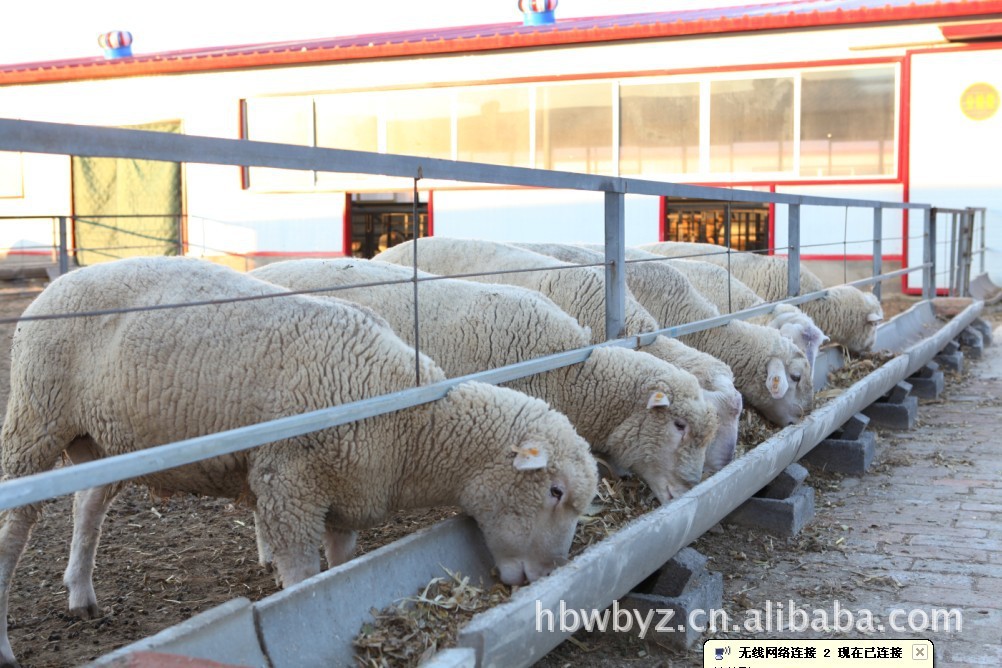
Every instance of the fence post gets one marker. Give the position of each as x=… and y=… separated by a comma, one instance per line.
x=878, y=247
x=793, y=264
x=929, y=254
x=64, y=260
x=615, y=267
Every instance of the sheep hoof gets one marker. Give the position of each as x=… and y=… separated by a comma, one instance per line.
x=89, y=611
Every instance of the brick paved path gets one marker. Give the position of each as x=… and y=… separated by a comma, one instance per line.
x=938, y=513
x=922, y=530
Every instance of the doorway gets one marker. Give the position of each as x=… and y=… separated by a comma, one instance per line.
x=379, y=223
x=703, y=221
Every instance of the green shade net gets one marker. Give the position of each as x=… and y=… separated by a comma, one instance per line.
x=124, y=207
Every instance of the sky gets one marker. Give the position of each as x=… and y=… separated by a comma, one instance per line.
x=57, y=29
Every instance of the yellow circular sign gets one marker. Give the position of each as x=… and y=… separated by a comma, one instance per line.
x=979, y=101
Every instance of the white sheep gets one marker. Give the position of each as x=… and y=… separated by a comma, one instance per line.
x=643, y=415
x=108, y=384
x=581, y=292
x=764, y=363
x=751, y=351
x=729, y=295
x=846, y=314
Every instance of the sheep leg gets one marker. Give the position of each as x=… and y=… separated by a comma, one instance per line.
x=264, y=555
x=14, y=535
x=89, y=509
x=339, y=545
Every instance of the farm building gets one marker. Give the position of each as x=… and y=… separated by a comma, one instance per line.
x=870, y=99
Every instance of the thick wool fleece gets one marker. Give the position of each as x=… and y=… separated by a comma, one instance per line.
x=468, y=326
x=846, y=314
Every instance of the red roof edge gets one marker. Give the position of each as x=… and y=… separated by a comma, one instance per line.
x=970, y=32
x=570, y=31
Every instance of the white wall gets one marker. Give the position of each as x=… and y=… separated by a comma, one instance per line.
x=955, y=161
x=539, y=215
x=827, y=231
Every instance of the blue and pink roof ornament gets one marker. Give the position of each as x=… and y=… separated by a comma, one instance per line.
x=116, y=44
x=537, y=12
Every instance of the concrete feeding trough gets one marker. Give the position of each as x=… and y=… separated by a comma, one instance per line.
x=314, y=622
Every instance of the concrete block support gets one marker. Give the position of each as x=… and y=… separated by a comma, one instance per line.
x=951, y=357
x=784, y=516
x=985, y=328
x=928, y=382
x=895, y=410
x=785, y=484
x=849, y=450
x=972, y=342
x=673, y=598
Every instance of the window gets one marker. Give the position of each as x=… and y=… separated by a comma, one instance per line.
x=11, y=178
x=703, y=221
x=847, y=123
x=377, y=225
x=751, y=125
x=574, y=128
x=283, y=120
x=493, y=125
x=659, y=129
x=348, y=121
x=418, y=123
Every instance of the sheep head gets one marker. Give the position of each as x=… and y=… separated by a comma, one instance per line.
x=664, y=440
x=528, y=500
x=789, y=385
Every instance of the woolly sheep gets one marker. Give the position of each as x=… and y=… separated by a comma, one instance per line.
x=846, y=314
x=729, y=295
x=581, y=292
x=753, y=352
x=763, y=364
x=109, y=384
x=646, y=416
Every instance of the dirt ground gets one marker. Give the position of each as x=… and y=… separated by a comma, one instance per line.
x=162, y=561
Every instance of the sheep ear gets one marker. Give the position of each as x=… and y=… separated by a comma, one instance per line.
x=529, y=456
x=874, y=317
x=658, y=399
x=777, y=383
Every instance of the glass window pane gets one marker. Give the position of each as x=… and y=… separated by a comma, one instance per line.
x=847, y=123
x=284, y=120
x=419, y=123
x=493, y=125
x=751, y=125
x=11, y=179
x=349, y=121
x=574, y=128
x=659, y=129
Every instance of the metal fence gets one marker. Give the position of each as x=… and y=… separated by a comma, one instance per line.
x=75, y=140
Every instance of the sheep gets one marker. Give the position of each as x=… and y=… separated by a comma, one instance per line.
x=758, y=356
x=846, y=314
x=672, y=300
x=644, y=415
x=583, y=295
x=113, y=383
x=729, y=295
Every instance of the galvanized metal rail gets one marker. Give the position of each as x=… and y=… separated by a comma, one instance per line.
x=63, y=139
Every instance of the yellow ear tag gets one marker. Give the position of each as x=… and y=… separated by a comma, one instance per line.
x=658, y=399
x=529, y=457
